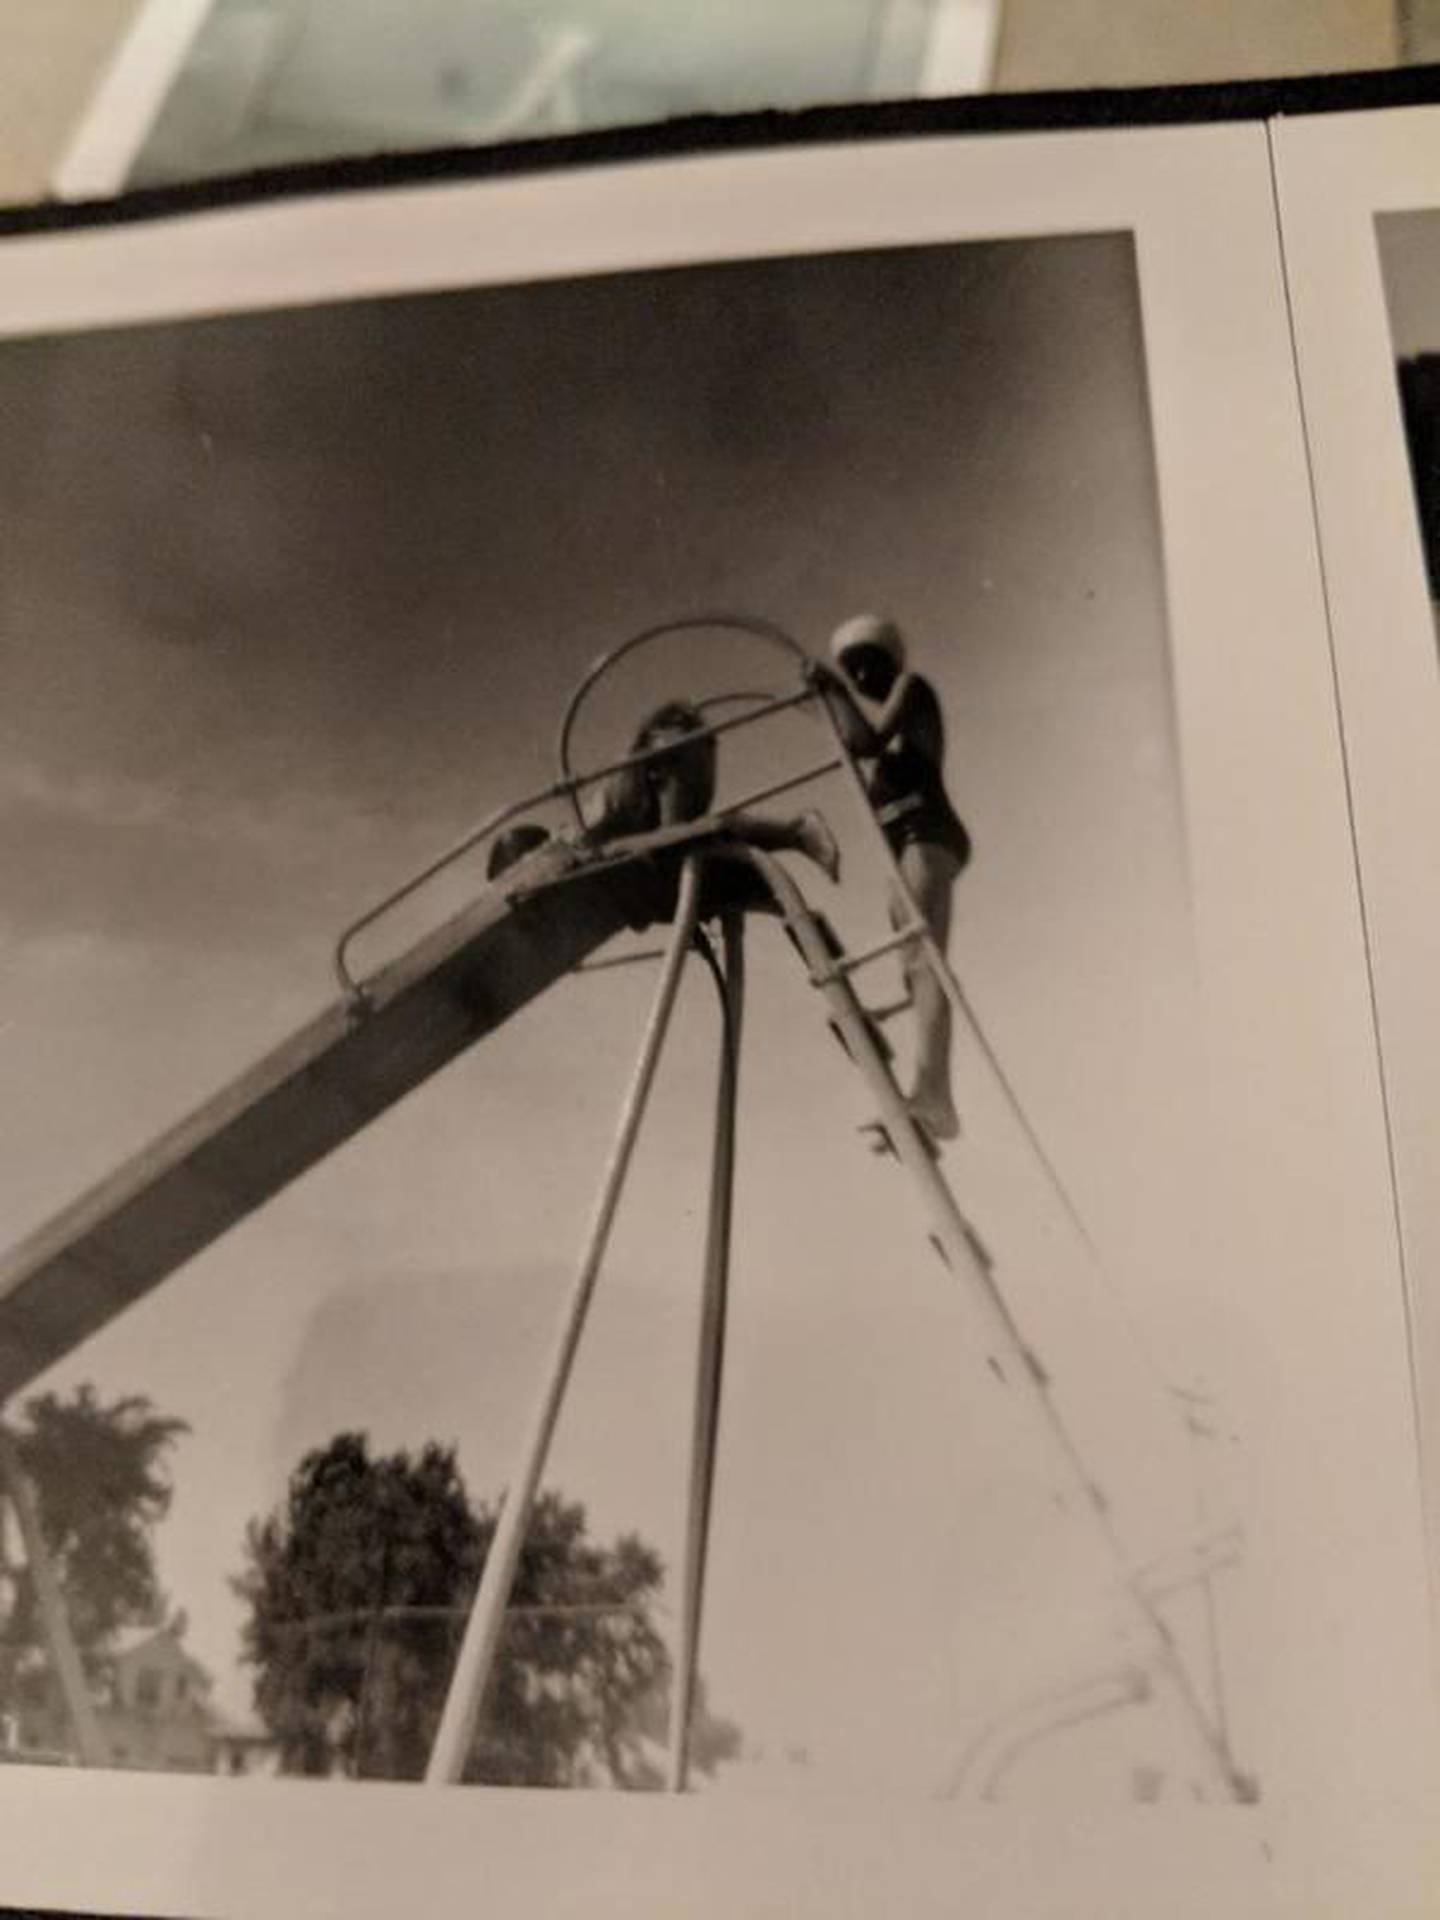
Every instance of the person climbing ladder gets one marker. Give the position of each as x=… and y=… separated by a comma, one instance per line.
x=901, y=740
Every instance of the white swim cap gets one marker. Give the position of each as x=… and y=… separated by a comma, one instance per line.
x=868, y=630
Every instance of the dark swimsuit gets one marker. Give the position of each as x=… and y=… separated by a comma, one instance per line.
x=907, y=787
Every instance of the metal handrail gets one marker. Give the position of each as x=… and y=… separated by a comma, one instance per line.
x=566, y=788
x=756, y=696
x=745, y=623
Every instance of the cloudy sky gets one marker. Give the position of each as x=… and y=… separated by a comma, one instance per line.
x=287, y=600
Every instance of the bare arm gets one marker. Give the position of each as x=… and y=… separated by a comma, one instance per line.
x=861, y=734
x=886, y=723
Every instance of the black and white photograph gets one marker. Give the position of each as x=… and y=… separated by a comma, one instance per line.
x=617, y=1178
x=361, y=560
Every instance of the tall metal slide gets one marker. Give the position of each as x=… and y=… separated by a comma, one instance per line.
x=384, y=1037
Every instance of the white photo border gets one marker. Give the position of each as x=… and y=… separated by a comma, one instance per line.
x=1336, y=178
x=1303, y=1222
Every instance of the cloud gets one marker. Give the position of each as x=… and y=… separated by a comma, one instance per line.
x=56, y=950
x=113, y=802
x=108, y=860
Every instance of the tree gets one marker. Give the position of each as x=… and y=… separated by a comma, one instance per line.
x=101, y=1486
x=358, y=1588
x=356, y=1536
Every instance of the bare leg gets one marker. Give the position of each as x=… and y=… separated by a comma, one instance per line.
x=930, y=874
x=805, y=833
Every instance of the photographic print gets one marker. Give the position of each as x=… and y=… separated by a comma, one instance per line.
x=327, y=582
x=622, y=1181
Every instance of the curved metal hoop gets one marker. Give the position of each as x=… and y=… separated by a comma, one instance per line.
x=569, y=788
x=1008, y=1738
x=745, y=623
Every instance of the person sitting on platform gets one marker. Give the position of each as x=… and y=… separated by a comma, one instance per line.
x=671, y=790
x=679, y=786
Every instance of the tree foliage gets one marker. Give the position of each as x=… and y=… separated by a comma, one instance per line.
x=357, y=1588
x=101, y=1483
x=354, y=1537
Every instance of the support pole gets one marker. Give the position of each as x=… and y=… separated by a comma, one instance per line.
x=476, y=1659
x=962, y=1256
x=54, y=1620
x=709, y=1354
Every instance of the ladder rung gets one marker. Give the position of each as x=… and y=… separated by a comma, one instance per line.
x=885, y=1141
x=877, y=1016
x=849, y=962
x=605, y=964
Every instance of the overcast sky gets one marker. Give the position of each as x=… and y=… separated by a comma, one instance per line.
x=288, y=600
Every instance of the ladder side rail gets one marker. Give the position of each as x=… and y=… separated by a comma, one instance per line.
x=475, y=1662
x=964, y=1259
x=788, y=785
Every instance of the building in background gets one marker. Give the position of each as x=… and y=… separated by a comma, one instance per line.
x=154, y=1709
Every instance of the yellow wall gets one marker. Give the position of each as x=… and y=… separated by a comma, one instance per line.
x=1066, y=43
x=54, y=51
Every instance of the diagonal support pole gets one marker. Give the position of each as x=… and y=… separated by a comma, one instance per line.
x=476, y=1660
x=710, y=1352
x=54, y=1620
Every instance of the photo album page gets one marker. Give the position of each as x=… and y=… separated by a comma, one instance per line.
x=719, y=952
